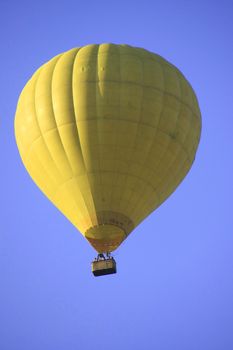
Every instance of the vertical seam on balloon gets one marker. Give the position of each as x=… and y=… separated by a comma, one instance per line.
x=115, y=172
x=137, y=207
x=76, y=120
x=55, y=120
x=98, y=131
x=110, y=201
x=58, y=132
x=149, y=150
x=165, y=151
x=54, y=114
x=87, y=173
x=38, y=124
x=135, y=139
x=140, y=118
x=116, y=166
x=121, y=83
x=78, y=138
x=111, y=198
x=140, y=203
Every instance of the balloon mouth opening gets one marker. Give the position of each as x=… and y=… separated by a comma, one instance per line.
x=105, y=238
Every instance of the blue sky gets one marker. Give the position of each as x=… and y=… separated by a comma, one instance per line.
x=174, y=285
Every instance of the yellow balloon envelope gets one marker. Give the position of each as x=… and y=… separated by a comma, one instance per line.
x=107, y=132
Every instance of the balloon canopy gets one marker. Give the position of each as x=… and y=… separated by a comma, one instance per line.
x=107, y=132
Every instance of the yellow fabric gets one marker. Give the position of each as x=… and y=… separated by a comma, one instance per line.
x=107, y=132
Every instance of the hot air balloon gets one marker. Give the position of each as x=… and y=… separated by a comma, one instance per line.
x=107, y=132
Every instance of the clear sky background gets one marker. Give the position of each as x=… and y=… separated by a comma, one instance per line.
x=174, y=286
